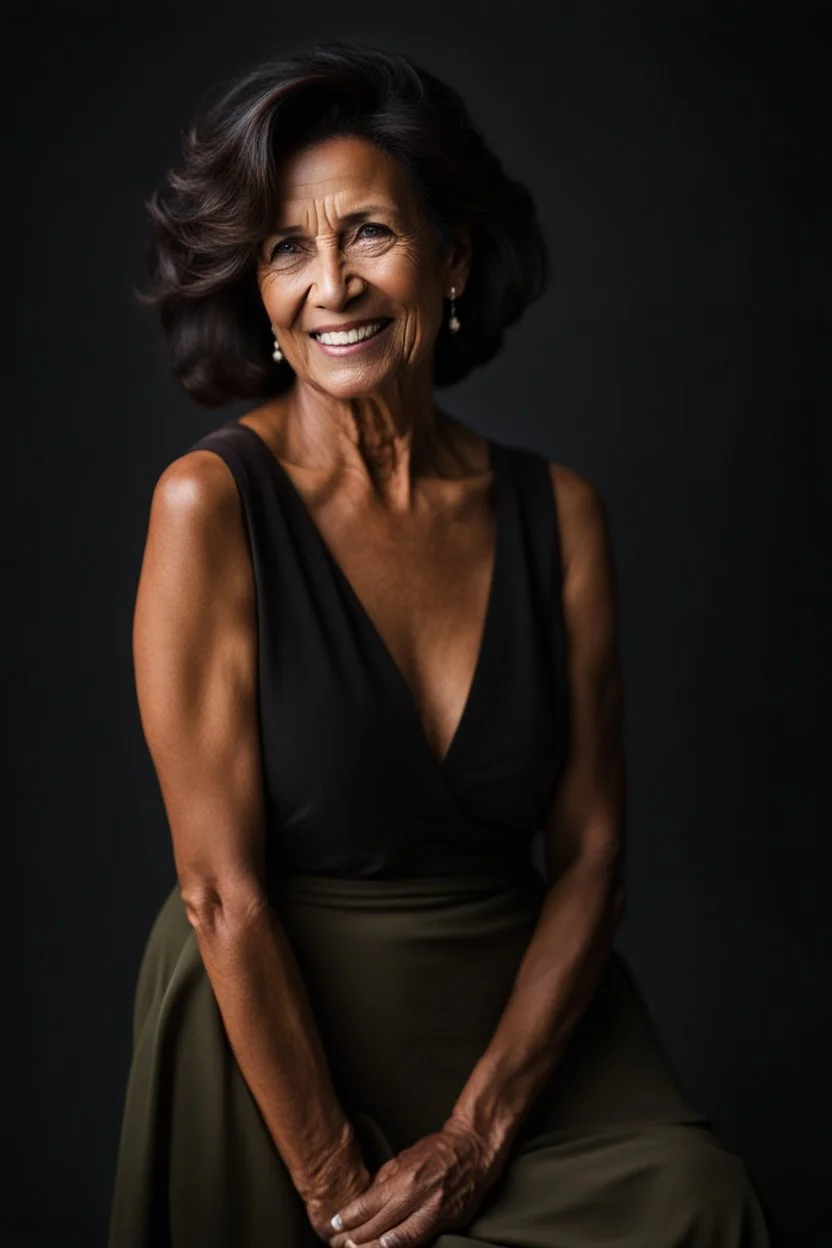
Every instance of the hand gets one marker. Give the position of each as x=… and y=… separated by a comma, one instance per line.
x=336, y=1185
x=435, y=1185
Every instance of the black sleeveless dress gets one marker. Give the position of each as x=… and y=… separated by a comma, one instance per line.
x=409, y=888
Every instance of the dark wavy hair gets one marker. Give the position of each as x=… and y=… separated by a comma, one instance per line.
x=211, y=212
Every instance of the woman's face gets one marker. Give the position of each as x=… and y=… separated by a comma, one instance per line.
x=353, y=250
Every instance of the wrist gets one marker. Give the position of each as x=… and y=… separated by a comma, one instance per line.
x=492, y=1106
x=337, y=1158
x=492, y=1140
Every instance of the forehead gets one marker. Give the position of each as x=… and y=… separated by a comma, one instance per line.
x=338, y=173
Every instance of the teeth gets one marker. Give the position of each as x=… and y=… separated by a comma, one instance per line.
x=343, y=338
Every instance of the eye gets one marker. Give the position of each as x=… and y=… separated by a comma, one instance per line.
x=381, y=231
x=283, y=248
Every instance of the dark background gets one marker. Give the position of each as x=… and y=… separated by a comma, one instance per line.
x=677, y=155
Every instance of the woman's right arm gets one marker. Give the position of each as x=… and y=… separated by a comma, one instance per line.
x=195, y=658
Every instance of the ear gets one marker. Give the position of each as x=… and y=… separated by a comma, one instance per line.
x=459, y=259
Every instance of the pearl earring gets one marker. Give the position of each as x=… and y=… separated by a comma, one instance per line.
x=277, y=354
x=453, y=323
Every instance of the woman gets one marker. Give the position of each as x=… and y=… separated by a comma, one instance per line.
x=376, y=653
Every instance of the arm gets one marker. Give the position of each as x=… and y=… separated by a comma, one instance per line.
x=583, y=845
x=195, y=656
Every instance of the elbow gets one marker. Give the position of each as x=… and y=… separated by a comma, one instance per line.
x=605, y=871
x=610, y=869
x=215, y=908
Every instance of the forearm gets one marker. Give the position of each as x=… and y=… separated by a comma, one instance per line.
x=553, y=986
x=273, y=1034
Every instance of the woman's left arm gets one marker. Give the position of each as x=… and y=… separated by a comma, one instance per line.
x=583, y=840
x=438, y=1182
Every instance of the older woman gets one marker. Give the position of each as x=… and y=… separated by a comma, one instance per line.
x=376, y=654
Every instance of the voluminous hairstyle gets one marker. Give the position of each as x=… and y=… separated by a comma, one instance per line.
x=211, y=212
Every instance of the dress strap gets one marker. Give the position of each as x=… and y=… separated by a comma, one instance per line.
x=538, y=523
x=247, y=458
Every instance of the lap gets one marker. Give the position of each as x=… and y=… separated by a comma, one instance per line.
x=661, y=1185
x=197, y=1161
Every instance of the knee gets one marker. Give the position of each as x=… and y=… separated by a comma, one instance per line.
x=706, y=1184
x=694, y=1159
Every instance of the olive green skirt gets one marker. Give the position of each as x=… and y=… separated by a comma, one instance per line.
x=408, y=979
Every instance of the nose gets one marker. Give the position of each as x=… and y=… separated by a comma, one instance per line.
x=335, y=282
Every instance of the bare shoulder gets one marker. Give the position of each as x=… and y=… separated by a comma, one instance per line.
x=586, y=540
x=582, y=512
x=194, y=490
x=196, y=551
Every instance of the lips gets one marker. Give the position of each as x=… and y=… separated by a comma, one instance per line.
x=350, y=332
x=359, y=337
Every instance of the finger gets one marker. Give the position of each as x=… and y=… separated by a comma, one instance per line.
x=391, y=1217
x=360, y=1209
x=419, y=1228
x=400, y=1203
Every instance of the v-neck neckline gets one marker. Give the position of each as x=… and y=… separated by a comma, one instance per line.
x=405, y=693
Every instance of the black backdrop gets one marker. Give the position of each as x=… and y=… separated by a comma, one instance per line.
x=676, y=154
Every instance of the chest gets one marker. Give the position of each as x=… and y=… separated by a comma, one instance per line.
x=356, y=780
x=424, y=583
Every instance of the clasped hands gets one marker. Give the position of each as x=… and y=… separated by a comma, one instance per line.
x=434, y=1185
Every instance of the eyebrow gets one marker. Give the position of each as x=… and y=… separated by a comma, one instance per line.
x=349, y=218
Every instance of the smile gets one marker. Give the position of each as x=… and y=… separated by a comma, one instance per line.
x=347, y=342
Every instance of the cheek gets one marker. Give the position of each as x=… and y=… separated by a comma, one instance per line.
x=281, y=297
x=401, y=274
x=270, y=296
x=407, y=284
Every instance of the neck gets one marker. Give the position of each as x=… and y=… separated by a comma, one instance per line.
x=391, y=435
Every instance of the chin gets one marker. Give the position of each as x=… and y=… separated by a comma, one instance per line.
x=357, y=384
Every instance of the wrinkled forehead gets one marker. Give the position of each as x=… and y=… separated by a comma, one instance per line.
x=339, y=177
